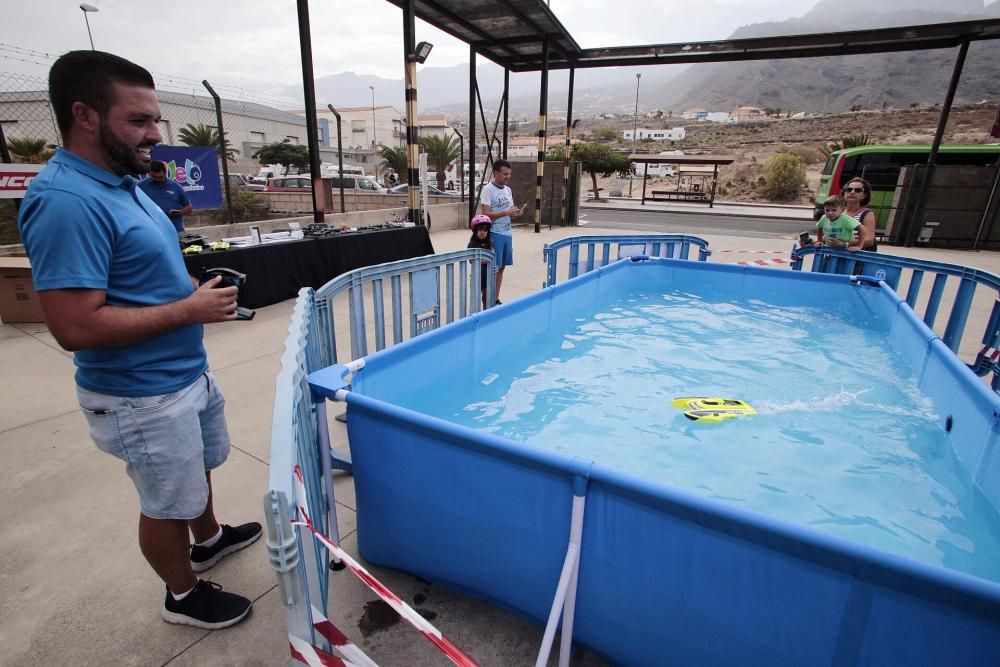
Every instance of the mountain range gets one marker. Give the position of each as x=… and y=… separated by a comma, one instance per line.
x=836, y=83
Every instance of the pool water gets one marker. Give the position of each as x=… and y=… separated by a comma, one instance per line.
x=843, y=440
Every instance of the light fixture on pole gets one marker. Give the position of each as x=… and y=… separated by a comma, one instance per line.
x=85, y=8
x=635, y=123
x=420, y=53
x=373, y=116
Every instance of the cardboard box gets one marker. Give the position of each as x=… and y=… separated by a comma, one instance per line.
x=18, y=299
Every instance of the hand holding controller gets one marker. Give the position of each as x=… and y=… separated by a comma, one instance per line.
x=229, y=278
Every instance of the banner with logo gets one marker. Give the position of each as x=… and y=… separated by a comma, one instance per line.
x=196, y=169
x=14, y=179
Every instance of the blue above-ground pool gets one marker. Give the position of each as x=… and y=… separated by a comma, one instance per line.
x=456, y=484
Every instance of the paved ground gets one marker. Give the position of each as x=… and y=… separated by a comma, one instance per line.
x=74, y=588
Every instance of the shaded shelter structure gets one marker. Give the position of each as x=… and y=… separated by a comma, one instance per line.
x=526, y=36
x=701, y=172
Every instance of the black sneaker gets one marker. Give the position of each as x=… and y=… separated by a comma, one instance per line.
x=233, y=539
x=207, y=606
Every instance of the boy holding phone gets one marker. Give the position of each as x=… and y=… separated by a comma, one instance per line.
x=497, y=202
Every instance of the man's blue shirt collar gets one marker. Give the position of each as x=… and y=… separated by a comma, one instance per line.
x=88, y=168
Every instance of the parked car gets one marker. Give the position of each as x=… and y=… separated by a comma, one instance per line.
x=237, y=181
x=357, y=184
x=431, y=190
x=257, y=184
x=289, y=184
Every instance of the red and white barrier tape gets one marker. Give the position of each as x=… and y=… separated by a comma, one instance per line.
x=338, y=639
x=753, y=252
x=455, y=654
x=765, y=262
x=308, y=654
x=991, y=352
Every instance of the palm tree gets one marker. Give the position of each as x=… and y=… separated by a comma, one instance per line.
x=32, y=151
x=441, y=152
x=852, y=141
x=204, y=135
x=394, y=157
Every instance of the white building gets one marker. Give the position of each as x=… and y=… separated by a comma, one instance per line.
x=364, y=128
x=248, y=125
x=673, y=134
x=434, y=125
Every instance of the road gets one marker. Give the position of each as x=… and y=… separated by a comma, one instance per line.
x=693, y=223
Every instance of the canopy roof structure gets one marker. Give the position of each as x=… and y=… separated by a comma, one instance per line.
x=512, y=33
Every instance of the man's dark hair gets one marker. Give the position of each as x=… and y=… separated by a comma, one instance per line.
x=500, y=164
x=157, y=166
x=88, y=77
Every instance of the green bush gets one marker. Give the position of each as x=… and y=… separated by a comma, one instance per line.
x=809, y=154
x=248, y=205
x=784, y=176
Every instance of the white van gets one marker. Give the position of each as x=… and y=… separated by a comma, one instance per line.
x=331, y=170
x=274, y=170
x=355, y=184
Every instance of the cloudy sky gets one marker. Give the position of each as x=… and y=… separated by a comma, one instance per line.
x=251, y=44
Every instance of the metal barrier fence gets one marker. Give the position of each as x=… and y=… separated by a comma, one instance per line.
x=299, y=432
x=677, y=246
x=430, y=301
x=910, y=272
x=297, y=558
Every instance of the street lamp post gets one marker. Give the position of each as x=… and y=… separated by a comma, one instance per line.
x=374, y=139
x=85, y=8
x=635, y=123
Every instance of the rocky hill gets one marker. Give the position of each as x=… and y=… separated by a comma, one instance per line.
x=843, y=82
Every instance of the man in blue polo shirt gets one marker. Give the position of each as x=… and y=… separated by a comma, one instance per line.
x=113, y=287
x=167, y=194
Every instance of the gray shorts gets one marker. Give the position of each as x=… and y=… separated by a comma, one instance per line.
x=168, y=442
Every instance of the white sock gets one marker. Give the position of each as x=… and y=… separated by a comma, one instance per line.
x=178, y=598
x=210, y=542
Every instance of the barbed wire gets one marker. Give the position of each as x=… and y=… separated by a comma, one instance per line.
x=178, y=83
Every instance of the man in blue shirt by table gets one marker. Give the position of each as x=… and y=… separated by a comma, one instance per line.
x=113, y=287
x=167, y=194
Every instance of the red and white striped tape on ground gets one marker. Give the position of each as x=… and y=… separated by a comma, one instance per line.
x=306, y=653
x=337, y=638
x=455, y=654
x=753, y=252
x=765, y=262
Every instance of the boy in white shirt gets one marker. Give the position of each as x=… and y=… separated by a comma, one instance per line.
x=497, y=202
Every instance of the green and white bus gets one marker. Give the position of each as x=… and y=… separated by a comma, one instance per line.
x=880, y=165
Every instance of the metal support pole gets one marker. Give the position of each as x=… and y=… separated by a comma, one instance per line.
x=340, y=156
x=635, y=126
x=473, y=205
x=569, y=130
x=506, y=98
x=543, y=105
x=715, y=180
x=222, y=149
x=5, y=157
x=925, y=184
x=4, y=151
x=461, y=164
x=412, y=138
x=309, y=88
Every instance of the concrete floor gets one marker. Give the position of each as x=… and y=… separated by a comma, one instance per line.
x=74, y=588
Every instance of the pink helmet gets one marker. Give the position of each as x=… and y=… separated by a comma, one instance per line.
x=480, y=219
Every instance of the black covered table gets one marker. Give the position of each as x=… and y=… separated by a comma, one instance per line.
x=276, y=271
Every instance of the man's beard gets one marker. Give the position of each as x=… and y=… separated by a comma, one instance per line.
x=120, y=156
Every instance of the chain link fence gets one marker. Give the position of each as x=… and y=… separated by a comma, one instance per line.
x=250, y=121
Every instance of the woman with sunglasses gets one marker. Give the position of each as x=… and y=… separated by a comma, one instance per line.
x=858, y=192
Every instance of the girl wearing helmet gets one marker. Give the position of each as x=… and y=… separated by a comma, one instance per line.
x=480, y=226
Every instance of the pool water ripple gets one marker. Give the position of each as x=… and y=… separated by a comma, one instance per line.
x=843, y=440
